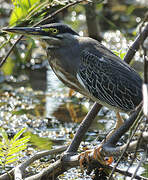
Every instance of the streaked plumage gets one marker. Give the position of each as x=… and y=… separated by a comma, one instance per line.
x=85, y=65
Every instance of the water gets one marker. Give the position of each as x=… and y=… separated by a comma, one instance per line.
x=50, y=115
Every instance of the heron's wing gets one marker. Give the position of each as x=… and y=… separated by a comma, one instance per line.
x=111, y=81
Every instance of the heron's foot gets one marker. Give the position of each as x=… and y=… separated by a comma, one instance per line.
x=103, y=160
x=85, y=157
x=71, y=92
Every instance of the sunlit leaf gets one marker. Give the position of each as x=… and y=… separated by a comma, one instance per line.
x=21, y=141
x=1, y=162
x=17, y=149
x=12, y=149
x=11, y=161
x=40, y=142
x=19, y=134
x=8, y=66
x=134, y=33
x=130, y=9
x=21, y=10
x=11, y=157
x=1, y=143
x=120, y=54
x=2, y=154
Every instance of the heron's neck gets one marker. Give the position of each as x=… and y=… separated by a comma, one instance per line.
x=66, y=58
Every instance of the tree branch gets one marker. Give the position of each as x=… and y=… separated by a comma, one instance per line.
x=83, y=128
x=135, y=46
x=109, y=147
x=92, y=22
x=21, y=168
x=62, y=165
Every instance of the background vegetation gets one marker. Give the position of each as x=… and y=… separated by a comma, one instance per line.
x=32, y=97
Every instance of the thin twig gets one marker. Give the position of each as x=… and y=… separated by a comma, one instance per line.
x=138, y=142
x=123, y=152
x=10, y=50
x=60, y=166
x=135, y=46
x=21, y=167
x=138, y=166
x=129, y=174
x=124, y=128
x=59, y=10
x=128, y=57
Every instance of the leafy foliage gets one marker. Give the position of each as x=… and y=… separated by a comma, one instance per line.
x=120, y=54
x=39, y=142
x=10, y=150
x=22, y=9
x=31, y=11
x=8, y=67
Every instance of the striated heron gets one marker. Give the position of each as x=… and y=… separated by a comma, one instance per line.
x=88, y=67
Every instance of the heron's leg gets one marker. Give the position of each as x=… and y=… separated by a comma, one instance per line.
x=96, y=151
x=71, y=92
x=119, y=122
x=85, y=157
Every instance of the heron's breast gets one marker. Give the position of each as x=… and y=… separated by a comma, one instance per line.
x=67, y=78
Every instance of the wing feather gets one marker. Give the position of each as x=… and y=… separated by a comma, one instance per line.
x=110, y=81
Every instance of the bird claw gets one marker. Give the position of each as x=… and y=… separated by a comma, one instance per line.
x=103, y=160
x=84, y=157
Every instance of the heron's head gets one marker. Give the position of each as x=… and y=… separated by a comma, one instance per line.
x=55, y=34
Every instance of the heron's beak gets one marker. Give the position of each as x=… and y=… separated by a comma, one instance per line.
x=25, y=30
x=37, y=31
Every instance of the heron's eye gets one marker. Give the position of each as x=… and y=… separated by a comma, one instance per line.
x=54, y=30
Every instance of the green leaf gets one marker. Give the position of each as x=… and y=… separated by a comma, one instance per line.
x=19, y=134
x=12, y=160
x=8, y=66
x=21, y=10
x=11, y=150
x=40, y=142
x=11, y=157
x=120, y=54
x=2, y=154
x=17, y=149
x=22, y=140
x=1, y=143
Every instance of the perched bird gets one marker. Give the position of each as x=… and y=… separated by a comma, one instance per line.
x=88, y=67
